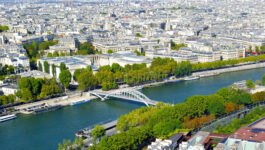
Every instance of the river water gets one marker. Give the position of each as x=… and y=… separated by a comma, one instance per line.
x=45, y=131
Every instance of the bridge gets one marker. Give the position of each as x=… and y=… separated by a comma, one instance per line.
x=126, y=94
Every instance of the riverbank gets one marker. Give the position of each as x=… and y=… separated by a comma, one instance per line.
x=46, y=130
x=68, y=100
x=63, y=101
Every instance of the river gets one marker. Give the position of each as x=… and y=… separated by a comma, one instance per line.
x=45, y=131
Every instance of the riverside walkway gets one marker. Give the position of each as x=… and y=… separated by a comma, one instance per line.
x=125, y=94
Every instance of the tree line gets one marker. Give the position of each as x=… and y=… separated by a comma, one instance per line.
x=110, y=77
x=36, y=51
x=164, y=120
x=36, y=89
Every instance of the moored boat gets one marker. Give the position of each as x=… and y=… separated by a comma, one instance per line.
x=80, y=102
x=192, y=78
x=7, y=117
x=208, y=74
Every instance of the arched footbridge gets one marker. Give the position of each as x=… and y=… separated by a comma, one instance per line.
x=126, y=94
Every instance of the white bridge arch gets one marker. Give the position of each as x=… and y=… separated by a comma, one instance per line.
x=127, y=94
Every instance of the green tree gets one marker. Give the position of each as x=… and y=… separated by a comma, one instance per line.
x=46, y=67
x=164, y=128
x=110, y=51
x=216, y=107
x=138, y=35
x=86, y=80
x=97, y=132
x=78, y=72
x=53, y=70
x=24, y=83
x=26, y=95
x=55, y=54
x=40, y=67
x=63, y=66
x=65, y=78
x=250, y=84
x=49, y=55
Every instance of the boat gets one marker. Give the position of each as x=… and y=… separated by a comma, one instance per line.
x=192, y=78
x=209, y=74
x=80, y=102
x=46, y=109
x=173, y=81
x=7, y=117
x=86, y=132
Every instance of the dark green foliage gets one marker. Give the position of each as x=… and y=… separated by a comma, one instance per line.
x=138, y=35
x=135, y=138
x=33, y=89
x=250, y=84
x=62, y=67
x=46, y=67
x=164, y=128
x=4, y=100
x=65, y=78
x=3, y=28
x=34, y=51
x=53, y=70
x=97, y=132
x=110, y=51
x=85, y=49
x=216, y=107
x=176, y=47
x=40, y=67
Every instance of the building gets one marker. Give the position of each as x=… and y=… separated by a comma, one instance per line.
x=251, y=137
x=10, y=89
x=197, y=142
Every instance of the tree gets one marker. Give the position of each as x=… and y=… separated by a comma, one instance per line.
x=55, y=54
x=46, y=67
x=78, y=72
x=63, y=66
x=97, y=132
x=24, y=83
x=49, y=55
x=53, y=70
x=258, y=97
x=231, y=107
x=110, y=51
x=138, y=35
x=216, y=107
x=40, y=67
x=86, y=80
x=257, y=49
x=250, y=84
x=26, y=95
x=164, y=128
x=65, y=78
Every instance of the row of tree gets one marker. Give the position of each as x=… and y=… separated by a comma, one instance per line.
x=34, y=89
x=109, y=77
x=163, y=120
x=36, y=51
x=4, y=100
